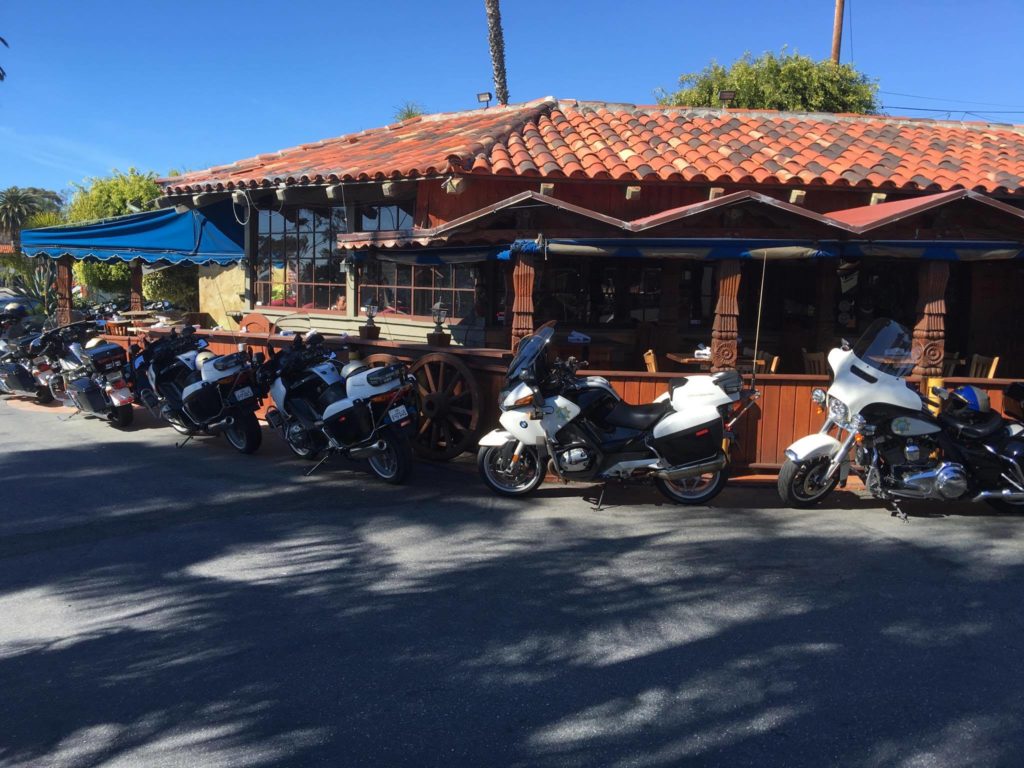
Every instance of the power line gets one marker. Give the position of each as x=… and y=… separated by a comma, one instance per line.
x=948, y=100
x=956, y=109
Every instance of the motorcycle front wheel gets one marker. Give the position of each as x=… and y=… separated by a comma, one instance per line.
x=393, y=464
x=122, y=416
x=693, y=490
x=244, y=433
x=803, y=484
x=494, y=464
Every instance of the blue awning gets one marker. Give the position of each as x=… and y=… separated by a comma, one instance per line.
x=211, y=235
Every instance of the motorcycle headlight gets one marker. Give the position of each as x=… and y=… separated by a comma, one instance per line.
x=837, y=411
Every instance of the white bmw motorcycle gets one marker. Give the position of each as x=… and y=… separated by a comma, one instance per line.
x=582, y=429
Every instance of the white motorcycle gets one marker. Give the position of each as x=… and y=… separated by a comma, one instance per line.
x=582, y=429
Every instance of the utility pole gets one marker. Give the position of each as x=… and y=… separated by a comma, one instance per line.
x=837, y=32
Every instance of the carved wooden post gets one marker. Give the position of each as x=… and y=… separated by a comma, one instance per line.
x=668, y=307
x=63, y=285
x=135, y=289
x=929, y=346
x=522, y=302
x=725, y=330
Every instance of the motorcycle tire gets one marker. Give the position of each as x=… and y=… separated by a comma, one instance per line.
x=498, y=481
x=694, y=490
x=44, y=396
x=309, y=452
x=244, y=434
x=792, y=483
x=393, y=464
x=122, y=416
x=1006, y=507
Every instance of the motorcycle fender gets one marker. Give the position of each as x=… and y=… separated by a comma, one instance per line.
x=495, y=438
x=121, y=396
x=813, y=447
x=525, y=429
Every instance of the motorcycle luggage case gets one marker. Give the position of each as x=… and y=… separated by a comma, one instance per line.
x=87, y=395
x=204, y=403
x=693, y=442
x=105, y=358
x=353, y=425
x=16, y=378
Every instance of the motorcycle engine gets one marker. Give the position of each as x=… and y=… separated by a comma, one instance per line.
x=575, y=459
x=298, y=436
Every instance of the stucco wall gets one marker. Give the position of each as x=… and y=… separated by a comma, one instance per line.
x=221, y=291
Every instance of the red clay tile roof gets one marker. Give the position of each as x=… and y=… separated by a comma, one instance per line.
x=6, y=248
x=590, y=140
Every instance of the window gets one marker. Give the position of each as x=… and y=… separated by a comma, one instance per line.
x=407, y=289
x=297, y=261
x=379, y=217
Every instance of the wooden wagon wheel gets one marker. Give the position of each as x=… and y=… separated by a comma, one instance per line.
x=380, y=359
x=449, y=406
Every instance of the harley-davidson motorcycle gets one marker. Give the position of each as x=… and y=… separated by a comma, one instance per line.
x=353, y=410
x=87, y=373
x=891, y=439
x=24, y=370
x=580, y=428
x=196, y=391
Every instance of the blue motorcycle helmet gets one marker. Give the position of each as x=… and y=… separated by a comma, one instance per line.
x=973, y=399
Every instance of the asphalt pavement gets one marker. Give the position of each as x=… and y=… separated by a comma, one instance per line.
x=164, y=606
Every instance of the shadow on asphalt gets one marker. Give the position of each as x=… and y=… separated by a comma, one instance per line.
x=335, y=621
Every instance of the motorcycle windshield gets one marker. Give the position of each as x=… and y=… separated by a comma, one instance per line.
x=886, y=346
x=530, y=351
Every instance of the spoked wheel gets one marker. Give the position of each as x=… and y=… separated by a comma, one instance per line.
x=505, y=477
x=693, y=490
x=122, y=416
x=449, y=406
x=244, y=433
x=804, y=484
x=393, y=464
x=1007, y=507
x=304, y=444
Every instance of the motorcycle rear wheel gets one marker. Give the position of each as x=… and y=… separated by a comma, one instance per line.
x=505, y=482
x=798, y=486
x=1006, y=507
x=244, y=433
x=311, y=451
x=122, y=416
x=693, y=490
x=393, y=464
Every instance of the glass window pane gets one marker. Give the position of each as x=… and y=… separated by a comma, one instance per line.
x=423, y=277
x=338, y=223
x=422, y=302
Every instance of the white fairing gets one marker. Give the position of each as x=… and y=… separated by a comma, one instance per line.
x=328, y=372
x=210, y=372
x=358, y=388
x=698, y=390
x=813, y=447
x=856, y=393
x=189, y=358
x=519, y=421
x=692, y=416
x=278, y=391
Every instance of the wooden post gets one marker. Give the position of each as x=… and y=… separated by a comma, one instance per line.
x=825, y=305
x=522, y=303
x=668, y=307
x=64, y=283
x=135, y=289
x=929, y=346
x=725, y=330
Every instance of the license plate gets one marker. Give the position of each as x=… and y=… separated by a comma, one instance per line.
x=243, y=393
x=398, y=413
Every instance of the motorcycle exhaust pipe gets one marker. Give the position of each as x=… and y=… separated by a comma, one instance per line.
x=367, y=451
x=225, y=422
x=692, y=470
x=1003, y=495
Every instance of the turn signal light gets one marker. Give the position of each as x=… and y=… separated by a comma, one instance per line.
x=528, y=400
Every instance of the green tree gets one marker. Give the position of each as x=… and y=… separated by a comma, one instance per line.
x=178, y=284
x=16, y=207
x=408, y=110
x=103, y=198
x=48, y=199
x=788, y=82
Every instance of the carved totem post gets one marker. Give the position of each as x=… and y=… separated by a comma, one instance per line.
x=725, y=330
x=929, y=347
x=522, y=302
x=64, y=282
x=135, y=289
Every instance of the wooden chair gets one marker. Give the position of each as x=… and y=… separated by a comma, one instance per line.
x=950, y=362
x=651, y=361
x=983, y=367
x=769, y=362
x=814, y=363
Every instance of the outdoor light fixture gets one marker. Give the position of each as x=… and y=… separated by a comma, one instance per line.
x=370, y=330
x=724, y=97
x=438, y=338
x=484, y=98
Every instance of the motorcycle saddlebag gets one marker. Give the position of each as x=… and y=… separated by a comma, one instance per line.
x=16, y=378
x=679, y=441
x=353, y=425
x=204, y=403
x=87, y=395
x=1013, y=401
x=105, y=358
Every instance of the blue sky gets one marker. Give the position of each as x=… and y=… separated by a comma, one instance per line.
x=188, y=83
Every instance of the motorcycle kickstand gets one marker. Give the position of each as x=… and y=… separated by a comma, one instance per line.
x=897, y=511
x=184, y=442
x=600, y=498
x=69, y=418
x=327, y=455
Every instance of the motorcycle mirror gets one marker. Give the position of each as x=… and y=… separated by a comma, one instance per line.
x=845, y=345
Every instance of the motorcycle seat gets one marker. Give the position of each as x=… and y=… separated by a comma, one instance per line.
x=637, y=416
x=972, y=429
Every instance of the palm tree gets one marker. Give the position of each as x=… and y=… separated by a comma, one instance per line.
x=3, y=74
x=497, y=40
x=16, y=207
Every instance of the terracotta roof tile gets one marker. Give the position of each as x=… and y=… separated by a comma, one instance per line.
x=552, y=138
